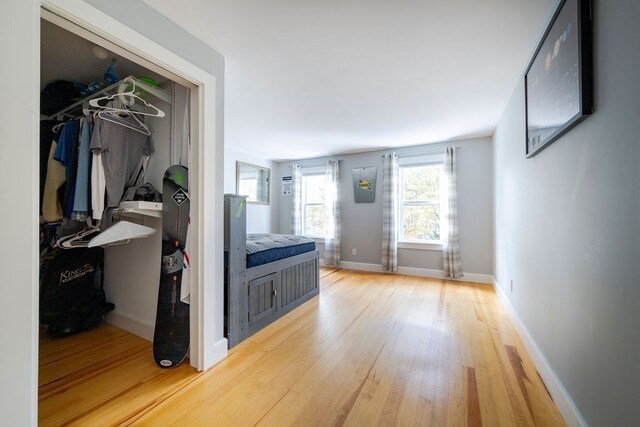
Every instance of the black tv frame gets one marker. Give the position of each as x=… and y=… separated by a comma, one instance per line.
x=585, y=79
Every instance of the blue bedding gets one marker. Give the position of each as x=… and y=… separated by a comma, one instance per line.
x=266, y=248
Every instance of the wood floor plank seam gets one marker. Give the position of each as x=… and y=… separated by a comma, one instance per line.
x=348, y=405
x=59, y=355
x=105, y=402
x=474, y=416
x=61, y=385
x=516, y=399
x=133, y=416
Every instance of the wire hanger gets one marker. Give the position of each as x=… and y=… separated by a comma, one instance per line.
x=128, y=98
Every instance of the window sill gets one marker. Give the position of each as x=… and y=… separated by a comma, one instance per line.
x=420, y=246
x=317, y=239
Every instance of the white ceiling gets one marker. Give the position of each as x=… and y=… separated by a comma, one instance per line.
x=312, y=78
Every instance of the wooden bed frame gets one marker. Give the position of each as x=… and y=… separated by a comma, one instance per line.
x=256, y=296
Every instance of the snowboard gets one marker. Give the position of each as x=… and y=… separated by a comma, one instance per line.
x=171, y=335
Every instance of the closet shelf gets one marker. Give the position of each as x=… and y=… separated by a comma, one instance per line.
x=157, y=92
x=137, y=208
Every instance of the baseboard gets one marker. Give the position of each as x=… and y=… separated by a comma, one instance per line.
x=418, y=272
x=361, y=266
x=131, y=324
x=218, y=353
x=560, y=396
x=145, y=330
x=439, y=274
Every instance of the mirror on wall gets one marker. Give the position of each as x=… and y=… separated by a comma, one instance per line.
x=253, y=181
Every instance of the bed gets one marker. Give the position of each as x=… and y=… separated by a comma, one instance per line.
x=266, y=275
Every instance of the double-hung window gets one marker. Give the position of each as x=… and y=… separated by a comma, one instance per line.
x=313, y=208
x=420, y=207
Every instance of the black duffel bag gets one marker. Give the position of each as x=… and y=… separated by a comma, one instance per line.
x=72, y=298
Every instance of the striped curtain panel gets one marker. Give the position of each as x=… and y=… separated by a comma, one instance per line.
x=296, y=199
x=332, y=214
x=450, y=242
x=390, y=200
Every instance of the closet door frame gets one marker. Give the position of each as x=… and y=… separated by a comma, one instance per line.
x=208, y=345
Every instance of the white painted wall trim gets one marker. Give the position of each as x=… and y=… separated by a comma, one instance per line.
x=418, y=272
x=560, y=396
x=420, y=246
x=361, y=266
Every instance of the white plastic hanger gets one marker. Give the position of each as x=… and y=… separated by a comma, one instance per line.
x=128, y=98
x=78, y=240
x=113, y=113
x=113, y=117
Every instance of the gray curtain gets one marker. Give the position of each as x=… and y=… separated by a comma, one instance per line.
x=450, y=241
x=390, y=200
x=296, y=199
x=332, y=214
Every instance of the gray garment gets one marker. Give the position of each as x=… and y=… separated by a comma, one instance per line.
x=123, y=151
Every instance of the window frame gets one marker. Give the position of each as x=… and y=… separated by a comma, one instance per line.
x=307, y=172
x=432, y=161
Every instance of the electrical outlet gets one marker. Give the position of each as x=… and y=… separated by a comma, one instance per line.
x=354, y=251
x=511, y=285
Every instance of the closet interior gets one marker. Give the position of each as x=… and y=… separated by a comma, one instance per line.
x=98, y=86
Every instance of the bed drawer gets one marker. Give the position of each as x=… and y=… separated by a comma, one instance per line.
x=262, y=297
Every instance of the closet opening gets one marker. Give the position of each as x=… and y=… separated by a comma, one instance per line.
x=102, y=208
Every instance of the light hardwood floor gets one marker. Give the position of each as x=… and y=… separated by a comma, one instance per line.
x=372, y=349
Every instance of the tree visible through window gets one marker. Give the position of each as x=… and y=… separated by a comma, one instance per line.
x=420, y=202
x=313, y=210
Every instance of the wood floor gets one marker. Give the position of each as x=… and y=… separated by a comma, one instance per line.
x=372, y=349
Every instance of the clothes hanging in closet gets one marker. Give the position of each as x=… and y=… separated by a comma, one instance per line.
x=90, y=164
x=67, y=154
x=82, y=197
x=51, y=208
x=122, y=154
x=46, y=139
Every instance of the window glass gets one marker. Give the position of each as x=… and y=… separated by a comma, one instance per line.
x=313, y=212
x=420, y=209
x=422, y=222
x=421, y=184
x=314, y=186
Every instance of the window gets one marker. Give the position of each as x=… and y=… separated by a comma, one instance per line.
x=420, y=209
x=313, y=210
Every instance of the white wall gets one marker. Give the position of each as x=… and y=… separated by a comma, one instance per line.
x=362, y=222
x=260, y=218
x=20, y=35
x=568, y=230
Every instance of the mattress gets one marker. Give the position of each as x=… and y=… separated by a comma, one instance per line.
x=266, y=248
